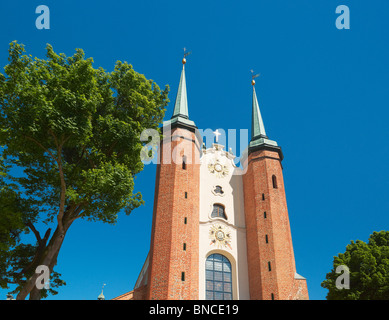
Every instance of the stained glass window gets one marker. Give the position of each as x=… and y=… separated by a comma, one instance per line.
x=218, y=278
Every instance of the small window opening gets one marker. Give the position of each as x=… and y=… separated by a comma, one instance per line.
x=269, y=265
x=185, y=220
x=218, y=189
x=264, y=215
x=267, y=239
x=184, y=162
x=186, y=195
x=182, y=276
x=184, y=247
x=274, y=178
x=263, y=196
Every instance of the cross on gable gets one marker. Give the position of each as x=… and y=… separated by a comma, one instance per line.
x=217, y=134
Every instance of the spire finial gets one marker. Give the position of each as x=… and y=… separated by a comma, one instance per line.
x=253, y=76
x=185, y=55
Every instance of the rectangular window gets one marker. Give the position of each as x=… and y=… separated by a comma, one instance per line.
x=274, y=179
x=272, y=296
x=182, y=276
x=264, y=214
x=263, y=196
x=185, y=220
x=186, y=195
x=184, y=247
x=269, y=265
x=267, y=239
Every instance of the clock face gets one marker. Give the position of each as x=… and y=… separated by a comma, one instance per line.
x=218, y=167
x=219, y=235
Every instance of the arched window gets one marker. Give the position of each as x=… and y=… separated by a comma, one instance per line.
x=218, y=278
x=274, y=178
x=218, y=211
x=184, y=162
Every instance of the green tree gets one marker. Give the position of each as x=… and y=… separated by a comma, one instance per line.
x=74, y=130
x=11, y=223
x=368, y=265
x=16, y=216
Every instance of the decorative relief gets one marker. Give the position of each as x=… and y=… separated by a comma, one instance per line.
x=218, y=169
x=220, y=236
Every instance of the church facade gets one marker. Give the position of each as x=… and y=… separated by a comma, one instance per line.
x=219, y=232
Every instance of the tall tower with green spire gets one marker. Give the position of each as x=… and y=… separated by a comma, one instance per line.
x=270, y=257
x=173, y=258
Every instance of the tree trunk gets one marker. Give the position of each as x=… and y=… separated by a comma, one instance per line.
x=35, y=294
x=49, y=259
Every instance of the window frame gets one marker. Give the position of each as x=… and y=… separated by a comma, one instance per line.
x=225, y=277
x=218, y=216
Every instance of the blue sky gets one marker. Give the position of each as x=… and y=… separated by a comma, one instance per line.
x=323, y=95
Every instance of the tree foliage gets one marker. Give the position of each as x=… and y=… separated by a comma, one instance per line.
x=74, y=130
x=368, y=264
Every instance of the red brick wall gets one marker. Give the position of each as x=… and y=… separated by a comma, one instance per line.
x=280, y=282
x=169, y=232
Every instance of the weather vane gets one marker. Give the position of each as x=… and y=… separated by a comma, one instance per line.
x=253, y=76
x=185, y=55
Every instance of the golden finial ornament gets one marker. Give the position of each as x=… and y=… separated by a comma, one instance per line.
x=253, y=76
x=185, y=55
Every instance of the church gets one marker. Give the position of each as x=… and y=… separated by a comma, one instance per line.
x=219, y=232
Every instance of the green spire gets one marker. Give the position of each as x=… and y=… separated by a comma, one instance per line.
x=258, y=133
x=181, y=106
x=257, y=127
x=180, y=114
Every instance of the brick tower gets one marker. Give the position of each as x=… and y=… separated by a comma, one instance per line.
x=219, y=232
x=270, y=257
x=173, y=265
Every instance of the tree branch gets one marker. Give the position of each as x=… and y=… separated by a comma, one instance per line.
x=54, y=137
x=43, y=147
x=61, y=174
x=63, y=192
x=47, y=235
x=62, y=177
x=37, y=235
